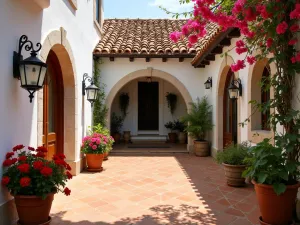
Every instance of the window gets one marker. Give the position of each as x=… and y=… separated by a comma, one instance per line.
x=265, y=97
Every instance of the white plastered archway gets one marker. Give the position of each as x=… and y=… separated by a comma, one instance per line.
x=144, y=73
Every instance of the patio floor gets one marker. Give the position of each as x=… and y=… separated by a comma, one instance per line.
x=177, y=189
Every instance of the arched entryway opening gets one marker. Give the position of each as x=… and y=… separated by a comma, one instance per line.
x=227, y=128
x=162, y=83
x=57, y=111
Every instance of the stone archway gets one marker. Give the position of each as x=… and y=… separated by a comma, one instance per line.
x=144, y=73
x=224, y=68
x=58, y=43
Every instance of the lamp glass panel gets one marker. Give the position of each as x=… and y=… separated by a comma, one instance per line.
x=233, y=93
x=22, y=75
x=42, y=76
x=32, y=74
x=90, y=94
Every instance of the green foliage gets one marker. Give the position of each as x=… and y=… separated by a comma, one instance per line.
x=268, y=165
x=124, y=103
x=100, y=129
x=116, y=123
x=179, y=125
x=99, y=110
x=234, y=154
x=170, y=125
x=172, y=101
x=199, y=119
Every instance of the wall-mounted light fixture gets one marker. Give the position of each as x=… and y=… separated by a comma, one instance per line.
x=235, y=89
x=31, y=71
x=92, y=90
x=208, y=83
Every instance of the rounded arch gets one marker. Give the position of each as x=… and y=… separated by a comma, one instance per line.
x=57, y=42
x=144, y=73
x=224, y=69
x=254, y=77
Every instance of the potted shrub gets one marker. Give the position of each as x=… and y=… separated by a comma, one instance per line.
x=233, y=159
x=33, y=181
x=116, y=125
x=172, y=135
x=180, y=126
x=94, y=147
x=172, y=101
x=198, y=124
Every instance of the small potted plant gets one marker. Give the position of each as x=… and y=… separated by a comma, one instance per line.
x=33, y=181
x=233, y=159
x=180, y=126
x=94, y=147
x=116, y=125
x=172, y=135
x=199, y=122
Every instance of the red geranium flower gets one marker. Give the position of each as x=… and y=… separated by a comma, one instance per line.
x=18, y=147
x=9, y=154
x=31, y=148
x=67, y=191
x=68, y=167
x=24, y=168
x=14, y=160
x=5, y=180
x=61, y=156
x=22, y=158
x=60, y=162
x=40, y=154
x=7, y=162
x=38, y=165
x=46, y=171
x=25, y=181
x=41, y=149
x=69, y=175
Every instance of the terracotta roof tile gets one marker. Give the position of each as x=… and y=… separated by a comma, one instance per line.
x=148, y=37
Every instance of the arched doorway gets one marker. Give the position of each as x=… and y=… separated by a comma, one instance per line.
x=229, y=113
x=53, y=107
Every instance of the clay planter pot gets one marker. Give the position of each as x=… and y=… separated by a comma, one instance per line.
x=33, y=210
x=94, y=162
x=105, y=156
x=201, y=148
x=117, y=137
x=233, y=174
x=182, y=137
x=276, y=210
x=126, y=136
x=172, y=137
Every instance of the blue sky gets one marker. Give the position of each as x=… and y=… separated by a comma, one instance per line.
x=141, y=8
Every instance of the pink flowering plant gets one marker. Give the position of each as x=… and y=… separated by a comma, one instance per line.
x=97, y=144
x=269, y=29
x=27, y=172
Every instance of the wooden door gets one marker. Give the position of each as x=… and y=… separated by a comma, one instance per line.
x=229, y=114
x=148, y=113
x=53, y=108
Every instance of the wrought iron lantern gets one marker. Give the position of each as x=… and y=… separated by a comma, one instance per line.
x=208, y=83
x=92, y=90
x=235, y=89
x=31, y=71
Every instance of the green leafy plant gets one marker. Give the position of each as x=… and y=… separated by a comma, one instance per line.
x=234, y=154
x=116, y=123
x=124, y=103
x=99, y=110
x=170, y=125
x=100, y=129
x=268, y=165
x=172, y=101
x=96, y=144
x=179, y=125
x=199, y=119
x=27, y=172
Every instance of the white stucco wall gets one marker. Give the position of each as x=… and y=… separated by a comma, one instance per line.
x=18, y=117
x=131, y=120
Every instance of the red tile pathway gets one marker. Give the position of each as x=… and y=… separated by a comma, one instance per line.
x=178, y=189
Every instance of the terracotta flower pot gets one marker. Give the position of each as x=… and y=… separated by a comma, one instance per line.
x=182, y=137
x=201, y=148
x=233, y=174
x=172, y=137
x=33, y=210
x=126, y=136
x=105, y=156
x=94, y=162
x=117, y=137
x=276, y=210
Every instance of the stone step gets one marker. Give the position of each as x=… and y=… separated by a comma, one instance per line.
x=148, y=138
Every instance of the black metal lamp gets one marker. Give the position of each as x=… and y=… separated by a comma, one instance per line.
x=92, y=90
x=235, y=89
x=31, y=71
x=208, y=83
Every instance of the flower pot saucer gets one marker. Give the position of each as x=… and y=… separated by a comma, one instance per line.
x=94, y=170
x=46, y=223
x=264, y=223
